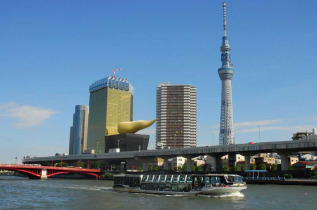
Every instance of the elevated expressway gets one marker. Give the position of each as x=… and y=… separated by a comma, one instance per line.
x=283, y=148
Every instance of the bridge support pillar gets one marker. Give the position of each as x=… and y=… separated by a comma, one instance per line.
x=189, y=164
x=284, y=162
x=145, y=166
x=44, y=174
x=216, y=162
x=212, y=161
x=165, y=166
x=247, y=162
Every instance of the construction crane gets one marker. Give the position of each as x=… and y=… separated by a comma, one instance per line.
x=114, y=72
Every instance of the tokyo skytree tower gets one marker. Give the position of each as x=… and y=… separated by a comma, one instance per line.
x=226, y=134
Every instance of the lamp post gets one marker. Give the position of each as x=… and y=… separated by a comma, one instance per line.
x=259, y=133
x=212, y=136
x=212, y=133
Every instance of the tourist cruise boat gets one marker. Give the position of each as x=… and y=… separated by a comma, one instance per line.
x=180, y=184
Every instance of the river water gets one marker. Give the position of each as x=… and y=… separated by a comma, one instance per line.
x=22, y=193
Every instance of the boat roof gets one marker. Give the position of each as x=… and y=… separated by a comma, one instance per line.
x=127, y=175
x=264, y=171
x=145, y=174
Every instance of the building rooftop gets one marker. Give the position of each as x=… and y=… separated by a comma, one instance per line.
x=111, y=82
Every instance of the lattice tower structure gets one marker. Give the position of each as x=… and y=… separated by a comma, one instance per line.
x=226, y=133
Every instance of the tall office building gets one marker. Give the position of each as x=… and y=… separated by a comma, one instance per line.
x=111, y=102
x=78, y=132
x=226, y=134
x=176, y=116
x=71, y=140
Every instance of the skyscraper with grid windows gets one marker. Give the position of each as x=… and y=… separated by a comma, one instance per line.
x=176, y=116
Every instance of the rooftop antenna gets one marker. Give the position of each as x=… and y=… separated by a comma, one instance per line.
x=114, y=72
x=224, y=4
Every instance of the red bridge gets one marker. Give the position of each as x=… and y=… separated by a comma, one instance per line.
x=44, y=172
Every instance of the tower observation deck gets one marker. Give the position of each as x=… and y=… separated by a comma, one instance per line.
x=226, y=133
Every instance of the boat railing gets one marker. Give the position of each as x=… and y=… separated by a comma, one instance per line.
x=264, y=178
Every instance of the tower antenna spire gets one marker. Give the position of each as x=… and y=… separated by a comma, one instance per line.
x=226, y=134
x=224, y=4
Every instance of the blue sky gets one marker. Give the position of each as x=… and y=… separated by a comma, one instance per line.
x=51, y=51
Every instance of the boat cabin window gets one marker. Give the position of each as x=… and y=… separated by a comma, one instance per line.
x=235, y=179
x=207, y=180
x=198, y=182
x=150, y=178
x=162, y=179
x=201, y=179
x=230, y=178
x=168, y=179
x=156, y=178
x=175, y=178
x=189, y=179
x=144, y=178
x=215, y=180
x=238, y=179
x=182, y=178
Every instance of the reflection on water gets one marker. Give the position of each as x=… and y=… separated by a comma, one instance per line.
x=17, y=192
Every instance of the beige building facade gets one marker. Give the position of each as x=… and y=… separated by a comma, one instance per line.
x=176, y=116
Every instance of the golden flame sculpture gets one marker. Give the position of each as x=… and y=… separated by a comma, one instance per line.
x=132, y=127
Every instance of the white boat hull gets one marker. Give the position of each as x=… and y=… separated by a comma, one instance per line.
x=204, y=191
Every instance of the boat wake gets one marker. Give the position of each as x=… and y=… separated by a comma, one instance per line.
x=90, y=188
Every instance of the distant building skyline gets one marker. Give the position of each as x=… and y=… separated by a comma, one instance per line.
x=176, y=114
x=63, y=49
x=78, y=132
x=110, y=102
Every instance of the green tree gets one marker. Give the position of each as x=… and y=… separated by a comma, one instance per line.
x=114, y=167
x=107, y=176
x=150, y=168
x=262, y=166
x=63, y=164
x=179, y=168
x=236, y=168
x=243, y=167
x=96, y=164
x=155, y=168
x=313, y=174
x=253, y=166
x=139, y=169
x=193, y=168
x=226, y=168
x=78, y=164
x=274, y=167
x=199, y=169
x=290, y=167
x=185, y=167
x=288, y=176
